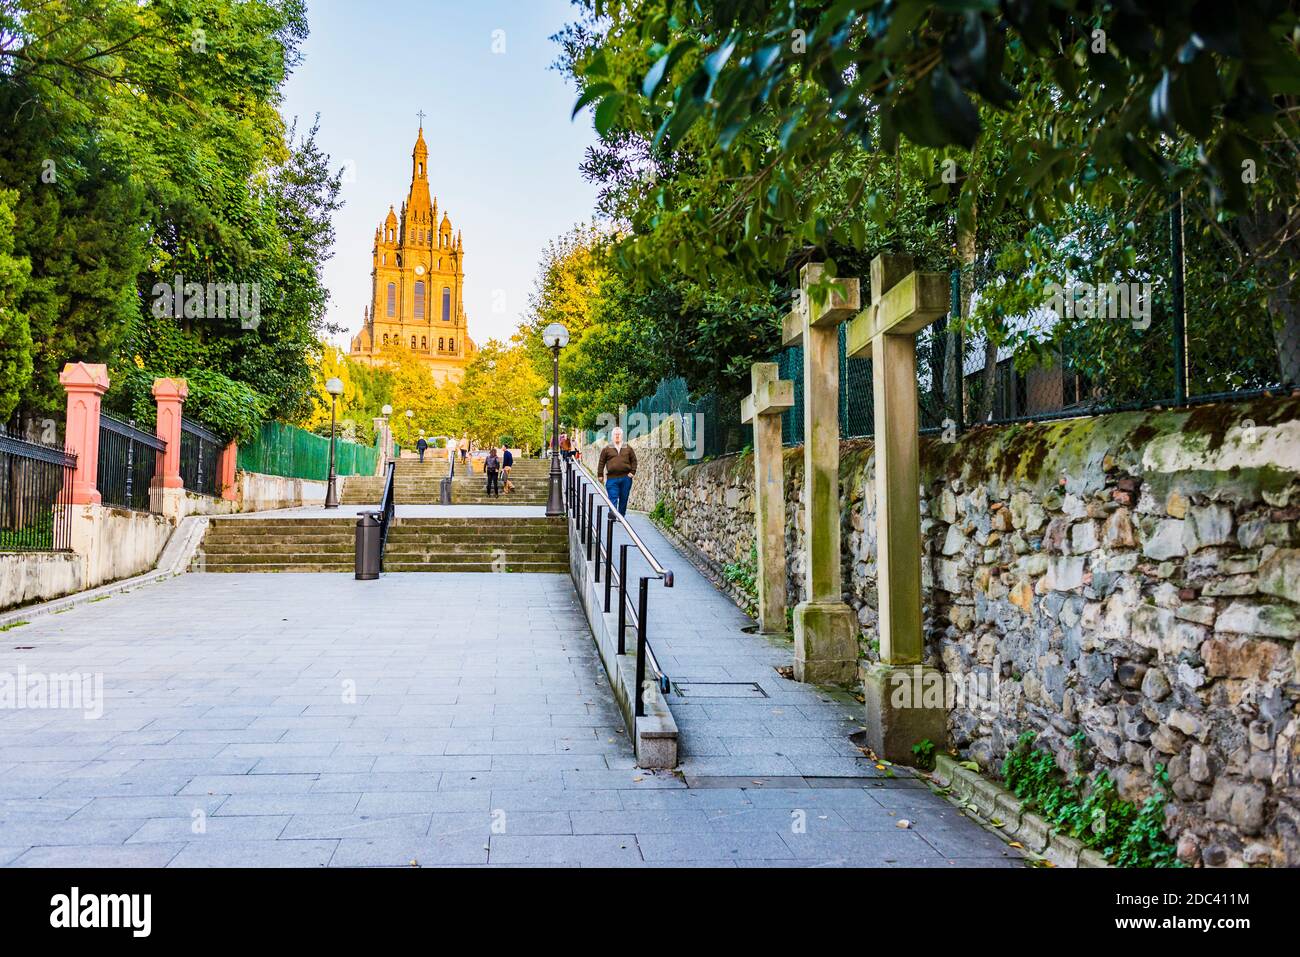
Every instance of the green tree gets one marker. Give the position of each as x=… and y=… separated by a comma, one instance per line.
x=15, y=331
x=1043, y=108
x=145, y=143
x=499, y=396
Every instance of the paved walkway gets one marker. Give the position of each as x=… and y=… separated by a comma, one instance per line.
x=429, y=719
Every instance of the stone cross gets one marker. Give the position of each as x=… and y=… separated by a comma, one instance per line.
x=825, y=628
x=903, y=302
x=762, y=408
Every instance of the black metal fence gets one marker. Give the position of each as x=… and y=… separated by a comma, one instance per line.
x=200, y=450
x=128, y=460
x=35, y=492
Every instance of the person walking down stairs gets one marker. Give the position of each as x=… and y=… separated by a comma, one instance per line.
x=492, y=468
x=451, y=456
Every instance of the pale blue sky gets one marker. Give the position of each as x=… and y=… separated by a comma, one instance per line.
x=503, y=154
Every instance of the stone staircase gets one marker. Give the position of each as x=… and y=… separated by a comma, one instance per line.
x=277, y=545
x=417, y=483
x=414, y=545
x=477, y=545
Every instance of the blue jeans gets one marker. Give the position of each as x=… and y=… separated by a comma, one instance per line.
x=619, y=491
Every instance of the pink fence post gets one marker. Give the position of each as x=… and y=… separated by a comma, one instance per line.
x=170, y=394
x=85, y=385
x=226, y=471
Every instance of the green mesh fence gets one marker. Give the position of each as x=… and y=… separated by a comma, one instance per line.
x=281, y=449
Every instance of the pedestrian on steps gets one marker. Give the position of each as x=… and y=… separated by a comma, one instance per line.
x=420, y=446
x=617, y=465
x=451, y=456
x=492, y=467
x=507, y=462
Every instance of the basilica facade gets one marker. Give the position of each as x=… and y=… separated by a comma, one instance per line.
x=417, y=273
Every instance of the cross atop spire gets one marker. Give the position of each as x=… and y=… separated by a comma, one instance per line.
x=420, y=114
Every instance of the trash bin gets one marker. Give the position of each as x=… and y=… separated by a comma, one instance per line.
x=367, y=562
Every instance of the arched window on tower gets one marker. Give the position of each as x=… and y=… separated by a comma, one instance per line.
x=412, y=342
x=392, y=299
x=385, y=338
x=442, y=344
x=424, y=344
x=451, y=344
x=446, y=303
x=419, y=299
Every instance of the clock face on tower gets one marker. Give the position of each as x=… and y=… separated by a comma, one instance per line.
x=419, y=270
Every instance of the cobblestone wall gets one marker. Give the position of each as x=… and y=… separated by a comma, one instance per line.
x=1134, y=577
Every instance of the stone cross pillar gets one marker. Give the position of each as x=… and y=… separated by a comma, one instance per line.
x=167, y=489
x=825, y=628
x=85, y=385
x=763, y=408
x=902, y=303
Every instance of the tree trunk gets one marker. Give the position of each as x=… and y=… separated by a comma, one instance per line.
x=1257, y=230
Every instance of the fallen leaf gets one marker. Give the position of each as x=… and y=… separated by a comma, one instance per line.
x=903, y=823
x=1016, y=844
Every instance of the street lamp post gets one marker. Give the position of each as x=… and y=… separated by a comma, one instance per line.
x=556, y=338
x=387, y=411
x=335, y=388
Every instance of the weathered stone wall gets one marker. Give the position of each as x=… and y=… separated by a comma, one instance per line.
x=1131, y=577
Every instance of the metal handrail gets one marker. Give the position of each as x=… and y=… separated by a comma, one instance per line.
x=583, y=506
x=387, y=509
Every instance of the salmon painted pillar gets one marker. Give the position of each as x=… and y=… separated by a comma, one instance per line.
x=85, y=385
x=170, y=395
x=226, y=471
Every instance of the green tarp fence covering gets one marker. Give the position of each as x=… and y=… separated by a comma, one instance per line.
x=281, y=449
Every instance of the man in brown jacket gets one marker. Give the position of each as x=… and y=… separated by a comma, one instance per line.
x=617, y=466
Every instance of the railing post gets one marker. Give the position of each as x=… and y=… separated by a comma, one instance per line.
x=226, y=471
x=1178, y=299
x=641, y=606
x=622, y=599
x=609, y=559
x=600, y=513
x=591, y=507
x=165, y=490
x=85, y=385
